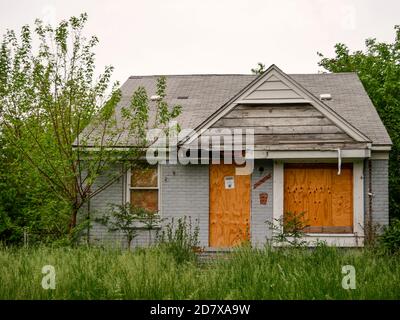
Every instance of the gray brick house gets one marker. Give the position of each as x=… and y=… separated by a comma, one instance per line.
x=319, y=147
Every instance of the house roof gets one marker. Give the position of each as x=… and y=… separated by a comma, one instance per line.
x=206, y=93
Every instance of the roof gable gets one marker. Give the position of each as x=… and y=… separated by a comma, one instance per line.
x=275, y=87
x=272, y=90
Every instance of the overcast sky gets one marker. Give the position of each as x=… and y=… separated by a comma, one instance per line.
x=214, y=36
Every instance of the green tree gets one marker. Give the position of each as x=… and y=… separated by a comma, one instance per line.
x=60, y=116
x=28, y=209
x=379, y=70
x=260, y=69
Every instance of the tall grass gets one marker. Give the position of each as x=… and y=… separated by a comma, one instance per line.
x=95, y=273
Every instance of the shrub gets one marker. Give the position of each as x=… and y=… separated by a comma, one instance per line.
x=390, y=239
x=289, y=229
x=179, y=239
x=125, y=218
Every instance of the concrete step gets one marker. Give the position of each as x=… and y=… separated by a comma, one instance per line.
x=208, y=255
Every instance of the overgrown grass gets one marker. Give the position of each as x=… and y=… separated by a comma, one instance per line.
x=95, y=273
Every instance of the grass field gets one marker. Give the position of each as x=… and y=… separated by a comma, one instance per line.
x=95, y=273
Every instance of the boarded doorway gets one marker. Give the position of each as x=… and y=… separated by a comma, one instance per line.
x=229, y=206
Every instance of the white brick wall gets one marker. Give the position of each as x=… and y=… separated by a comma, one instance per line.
x=100, y=204
x=260, y=213
x=185, y=192
x=380, y=190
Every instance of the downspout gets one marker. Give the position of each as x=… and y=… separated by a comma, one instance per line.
x=88, y=218
x=124, y=186
x=368, y=228
x=339, y=161
x=370, y=195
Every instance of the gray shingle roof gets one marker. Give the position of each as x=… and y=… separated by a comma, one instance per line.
x=350, y=100
x=207, y=93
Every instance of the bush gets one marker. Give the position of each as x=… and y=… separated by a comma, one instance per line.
x=390, y=239
x=289, y=229
x=180, y=239
x=126, y=217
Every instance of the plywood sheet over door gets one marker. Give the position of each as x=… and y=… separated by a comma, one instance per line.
x=324, y=196
x=229, y=208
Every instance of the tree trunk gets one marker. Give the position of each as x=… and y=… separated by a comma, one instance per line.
x=72, y=222
x=129, y=243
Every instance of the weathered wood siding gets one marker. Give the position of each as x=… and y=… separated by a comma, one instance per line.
x=280, y=127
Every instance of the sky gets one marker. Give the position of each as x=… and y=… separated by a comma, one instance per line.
x=214, y=36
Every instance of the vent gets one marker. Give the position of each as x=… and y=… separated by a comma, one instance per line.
x=155, y=98
x=325, y=96
x=183, y=97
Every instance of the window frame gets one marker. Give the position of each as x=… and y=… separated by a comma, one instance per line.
x=355, y=239
x=329, y=166
x=158, y=187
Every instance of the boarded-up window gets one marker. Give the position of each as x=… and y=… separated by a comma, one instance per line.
x=144, y=187
x=324, y=196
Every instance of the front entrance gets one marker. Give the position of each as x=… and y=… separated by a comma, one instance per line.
x=229, y=206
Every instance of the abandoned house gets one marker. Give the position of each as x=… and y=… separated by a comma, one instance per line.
x=319, y=148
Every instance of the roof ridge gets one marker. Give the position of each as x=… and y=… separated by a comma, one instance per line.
x=190, y=75
x=322, y=73
x=234, y=74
